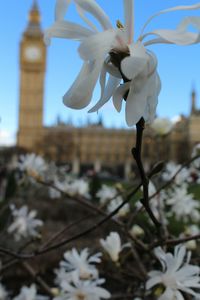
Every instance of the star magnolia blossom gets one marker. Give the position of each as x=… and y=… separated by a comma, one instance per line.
x=82, y=263
x=24, y=225
x=177, y=274
x=113, y=51
x=29, y=293
x=82, y=290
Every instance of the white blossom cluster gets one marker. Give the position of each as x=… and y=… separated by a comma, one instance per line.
x=78, y=277
x=111, y=199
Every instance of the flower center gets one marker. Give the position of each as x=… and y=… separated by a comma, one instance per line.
x=80, y=296
x=169, y=281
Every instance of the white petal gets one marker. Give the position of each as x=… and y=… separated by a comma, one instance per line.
x=153, y=281
x=101, y=292
x=128, y=17
x=111, y=69
x=92, y=7
x=167, y=295
x=189, y=21
x=102, y=80
x=119, y=94
x=80, y=93
x=133, y=65
x=176, y=8
x=67, y=30
x=175, y=37
x=135, y=105
x=152, y=101
x=109, y=90
x=81, y=13
x=97, y=45
x=61, y=8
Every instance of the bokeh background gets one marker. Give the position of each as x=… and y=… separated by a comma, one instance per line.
x=179, y=67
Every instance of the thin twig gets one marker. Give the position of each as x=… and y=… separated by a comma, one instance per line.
x=137, y=154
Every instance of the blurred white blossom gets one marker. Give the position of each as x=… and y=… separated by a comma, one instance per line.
x=80, y=263
x=136, y=231
x=113, y=204
x=177, y=274
x=70, y=186
x=112, y=245
x=171, y=169
x=182, y=204
x=24, y=224
x=29, y=293
x=82, y=290
x=106, y=193
x=34, y=165
x=162, y=126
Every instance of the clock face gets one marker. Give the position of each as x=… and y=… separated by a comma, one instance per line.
x=33, y=53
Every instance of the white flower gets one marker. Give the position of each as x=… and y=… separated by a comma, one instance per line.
x=136, y=230
x=79, y=186
x=183, y=206
x=113, y=51
x=69, y=186
x=171, y=169
x=3, y=293
x=29, y=293
x=112, y=245
x=117, y=202
x=162, y=126
x=82, y=290
x=82, y=264
x=177, y=274
x=24, y=225
x=33, y=164
x=106, y=193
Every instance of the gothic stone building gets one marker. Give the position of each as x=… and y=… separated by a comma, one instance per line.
x=92, y=145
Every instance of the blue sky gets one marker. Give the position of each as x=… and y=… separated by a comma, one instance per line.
x=179, y=67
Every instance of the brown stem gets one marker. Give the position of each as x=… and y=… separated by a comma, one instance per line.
x=137, y=154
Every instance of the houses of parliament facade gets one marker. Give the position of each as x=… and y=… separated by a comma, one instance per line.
x=92, y=145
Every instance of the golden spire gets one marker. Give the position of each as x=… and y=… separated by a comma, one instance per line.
x=34, y=15
x=193, y=100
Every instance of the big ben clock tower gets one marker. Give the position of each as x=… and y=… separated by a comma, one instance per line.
x=32, y=74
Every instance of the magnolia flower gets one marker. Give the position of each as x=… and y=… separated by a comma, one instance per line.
x=171, y=169
x=177, y=274
x=117, y=202
x=112, y=50
x=112, y=245
x=82, y=290
x=72, y=187
x=81, y=264
x=162, y=126
x=106, y=193
x=29, y=293
x=24, y=225
x=33, y=164
x=79, y=186
x=136, y=231
x=183, y=205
